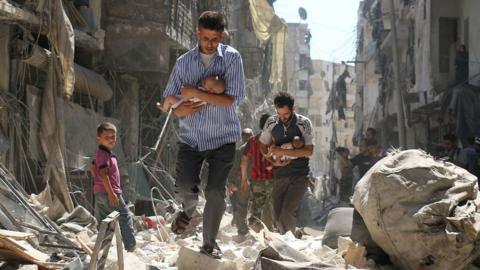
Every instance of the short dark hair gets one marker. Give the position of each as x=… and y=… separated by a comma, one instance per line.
x=283, y=99
x=263, y=120
x=212, y=20
x=105, y=126
x=450, y=137
x=470, y=140
x=372, y=130
x=371, y=142
x=342, y=150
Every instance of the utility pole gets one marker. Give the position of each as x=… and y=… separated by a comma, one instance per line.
x=396, y=75
x=333, y=139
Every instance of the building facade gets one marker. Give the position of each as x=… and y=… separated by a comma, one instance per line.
x=331, y=131
x=433, y=98
x=298, y=66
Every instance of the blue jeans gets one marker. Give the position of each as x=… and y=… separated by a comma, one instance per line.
x=103, y=209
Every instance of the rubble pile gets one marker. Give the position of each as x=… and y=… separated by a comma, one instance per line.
x=28, y=237
x=430, y=221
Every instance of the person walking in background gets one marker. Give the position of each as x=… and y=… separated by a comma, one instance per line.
x=345, y=167
x=261, y=184
x=239, y=192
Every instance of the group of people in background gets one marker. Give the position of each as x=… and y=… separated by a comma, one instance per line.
x=348, y=171
x=466, y=157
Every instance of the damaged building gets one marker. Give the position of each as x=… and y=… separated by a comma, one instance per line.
x=437, y=82
x=328, y=123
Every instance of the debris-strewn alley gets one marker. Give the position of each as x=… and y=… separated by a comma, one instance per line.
x=219, y=135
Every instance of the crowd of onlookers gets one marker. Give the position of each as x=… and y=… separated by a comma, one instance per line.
x=349, y=170
x=466, y=157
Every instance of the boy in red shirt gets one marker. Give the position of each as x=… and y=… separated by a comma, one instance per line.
x=106, y=184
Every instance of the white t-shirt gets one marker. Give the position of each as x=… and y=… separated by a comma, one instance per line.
x=207, y=58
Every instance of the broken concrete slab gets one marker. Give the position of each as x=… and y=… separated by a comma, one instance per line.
x=191, y=259
x=28, y=267
x=356, y=256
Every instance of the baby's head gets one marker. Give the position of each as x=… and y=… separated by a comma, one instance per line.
x=298, y=142
x=214, y=85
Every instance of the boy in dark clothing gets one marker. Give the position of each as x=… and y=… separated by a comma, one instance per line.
x=106, y=184
x=450, y=150
x=362, y=160
x=468, y=157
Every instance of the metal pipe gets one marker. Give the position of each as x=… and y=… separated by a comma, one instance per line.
x=86, y=81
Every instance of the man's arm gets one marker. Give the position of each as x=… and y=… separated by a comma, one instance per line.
x=188, y=108
x=306, y=151
x=307, y=133
x=112, y=197
x=173, y=88
x=244, y=170
x=214, y=99
x=267, y=155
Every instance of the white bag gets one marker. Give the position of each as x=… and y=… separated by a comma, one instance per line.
x=417, y=208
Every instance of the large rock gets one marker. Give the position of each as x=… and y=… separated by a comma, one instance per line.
x=417, y=208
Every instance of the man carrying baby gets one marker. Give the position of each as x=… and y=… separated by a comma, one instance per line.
x=212, y=84
x=290, y=175
x=208, y=132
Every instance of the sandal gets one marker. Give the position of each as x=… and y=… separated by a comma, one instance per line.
x=214, y=252
x=180, y=223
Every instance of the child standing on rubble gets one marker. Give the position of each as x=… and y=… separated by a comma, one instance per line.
x=106, y=184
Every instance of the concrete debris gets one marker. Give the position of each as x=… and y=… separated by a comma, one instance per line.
x=192, y=259
x=29, y=267
x=356, y=256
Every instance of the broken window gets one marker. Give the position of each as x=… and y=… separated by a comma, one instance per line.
x=447, y=37
x=302, y=85
x=304, y=61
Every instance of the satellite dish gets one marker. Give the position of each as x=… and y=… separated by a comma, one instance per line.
x=303, y=13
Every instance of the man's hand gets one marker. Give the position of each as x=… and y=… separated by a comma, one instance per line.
x=276, y=151
x=279, y=162
x=188, y=108
x=231, y=188
x=188, y=91
x=113, y=200
x=244, y=185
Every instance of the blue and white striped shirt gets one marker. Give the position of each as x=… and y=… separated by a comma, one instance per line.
x=212, y=126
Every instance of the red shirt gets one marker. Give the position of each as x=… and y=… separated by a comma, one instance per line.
x=104, y=158
x=261, y=169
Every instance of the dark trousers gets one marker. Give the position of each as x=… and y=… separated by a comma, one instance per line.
x=189, y=163
x=103, y=209
x=286, y=197
x=240, y=208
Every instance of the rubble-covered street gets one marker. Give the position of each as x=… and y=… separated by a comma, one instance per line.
x=239, y=134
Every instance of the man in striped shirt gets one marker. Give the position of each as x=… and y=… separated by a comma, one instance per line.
x=260, y=181
x=291, y=177
x=207, y=132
